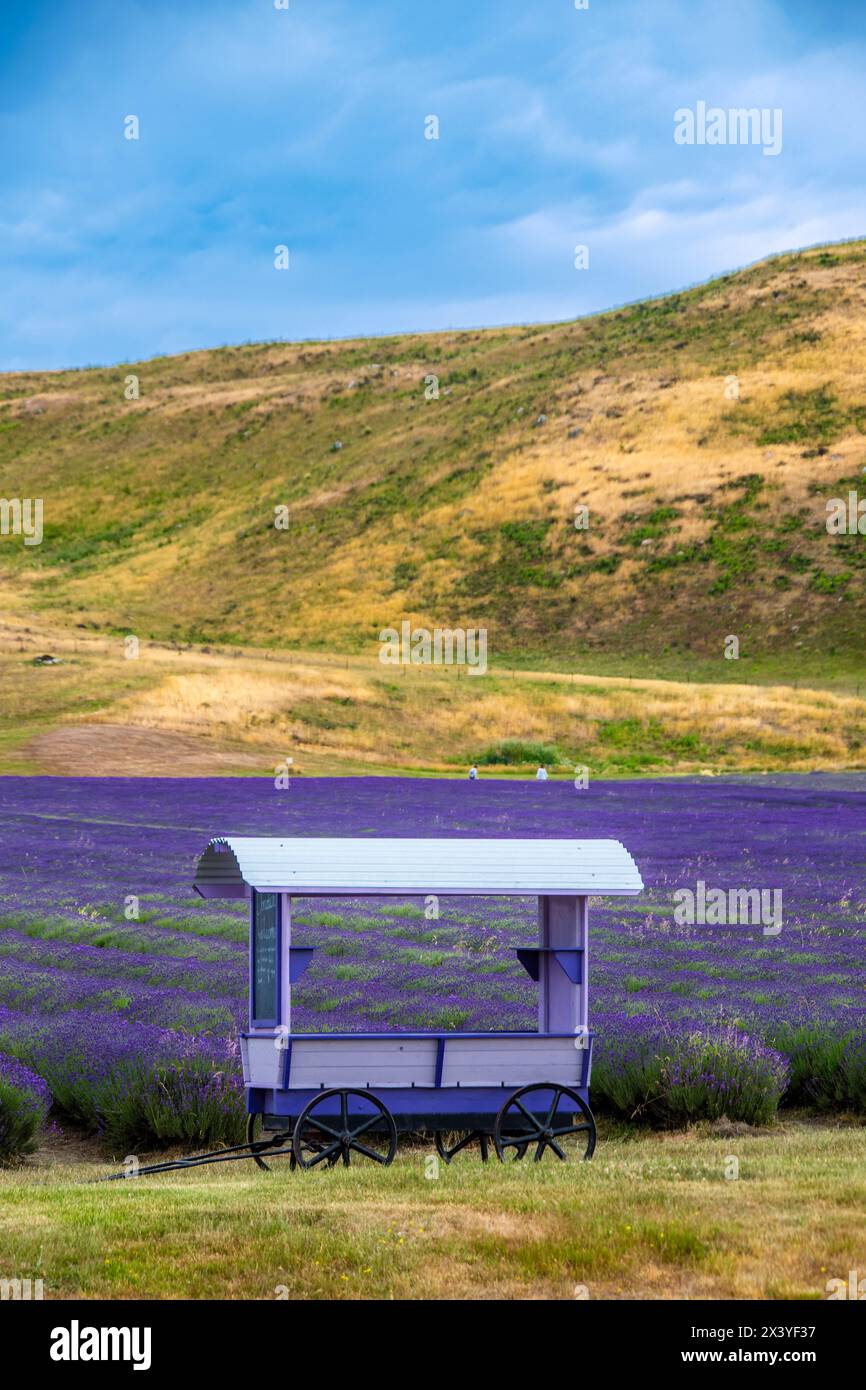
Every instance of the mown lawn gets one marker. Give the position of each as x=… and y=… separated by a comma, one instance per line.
x=653, y=1216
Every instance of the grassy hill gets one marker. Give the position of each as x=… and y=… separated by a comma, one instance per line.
x=706, y=495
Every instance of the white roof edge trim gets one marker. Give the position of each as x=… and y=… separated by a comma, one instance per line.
x=232, y=865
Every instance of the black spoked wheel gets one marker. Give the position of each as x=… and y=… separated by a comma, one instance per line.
x=258, y=1146
x=452, y=1142
x=541, y=1117
x=335, y=1124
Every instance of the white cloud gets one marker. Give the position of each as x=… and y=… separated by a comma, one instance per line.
x=258, y=126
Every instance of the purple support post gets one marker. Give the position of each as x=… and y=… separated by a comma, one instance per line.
x=583, y=947
x=285, y=960
x=562, y=1005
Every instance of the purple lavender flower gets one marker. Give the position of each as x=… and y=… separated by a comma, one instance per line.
x=88, y=992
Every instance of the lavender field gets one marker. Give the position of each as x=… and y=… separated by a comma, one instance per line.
x=131, y=1020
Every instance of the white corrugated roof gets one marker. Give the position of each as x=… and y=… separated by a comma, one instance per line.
x=418, y=866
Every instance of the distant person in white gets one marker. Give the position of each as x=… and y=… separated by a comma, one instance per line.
x=541, y=775
x=473, y=774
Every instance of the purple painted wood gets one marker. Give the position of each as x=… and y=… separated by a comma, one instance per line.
x=440, y=1060
x=412, y=1108
x=385, y=1061
x=569, y=960
x=267, y=1022
x=561, y=939
x=429, y=1062
x=299, y=960
x=583, y=943
x=433, y=1067
x=379, y=1037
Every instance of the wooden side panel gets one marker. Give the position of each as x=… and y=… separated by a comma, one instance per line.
x=511, y=1061
x=264, y=1060
x=390, y=1062
x=386, y=1061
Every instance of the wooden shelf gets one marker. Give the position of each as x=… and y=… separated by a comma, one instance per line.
x=569, y=960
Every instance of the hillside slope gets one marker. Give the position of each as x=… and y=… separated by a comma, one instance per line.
x=706, y=496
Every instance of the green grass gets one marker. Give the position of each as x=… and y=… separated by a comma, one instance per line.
x=410, y=955
x=96, y=932
x=653, y=1216
x=134, y=553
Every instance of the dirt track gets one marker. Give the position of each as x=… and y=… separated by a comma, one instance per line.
x=116, y=750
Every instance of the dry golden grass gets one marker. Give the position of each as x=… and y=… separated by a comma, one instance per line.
x=160, y=517
x=217, y=438
x=250, y=710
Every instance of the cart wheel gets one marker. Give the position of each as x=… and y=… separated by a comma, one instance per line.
x=258, y=1147
x=460, y=1139
x=364, y=1126
x=542, y=1114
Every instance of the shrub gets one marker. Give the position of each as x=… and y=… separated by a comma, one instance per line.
x=670, y=1077
x=815, y=1056
x=137, y=1084
x=733, y=1075
x=184, y=1102
x=24, y=1103
x=852, y=1072
x=513, y=753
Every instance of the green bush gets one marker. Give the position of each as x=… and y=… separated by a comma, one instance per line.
x=674, y=1078
x=852, y=1071
x=815, y=1054
x=828, y=1069
x=24, y=1103
x=184, y=1102
x=513, y=753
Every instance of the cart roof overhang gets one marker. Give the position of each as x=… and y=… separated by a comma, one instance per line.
x=230, y=867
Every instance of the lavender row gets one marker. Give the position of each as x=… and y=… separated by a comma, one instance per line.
x=707, y=1004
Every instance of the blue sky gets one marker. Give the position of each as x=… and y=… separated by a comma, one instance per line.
x=305, y=127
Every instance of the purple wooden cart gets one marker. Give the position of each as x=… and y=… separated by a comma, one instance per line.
x=329, y=1095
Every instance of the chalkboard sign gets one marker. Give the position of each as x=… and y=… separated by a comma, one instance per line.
x=265, y=922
